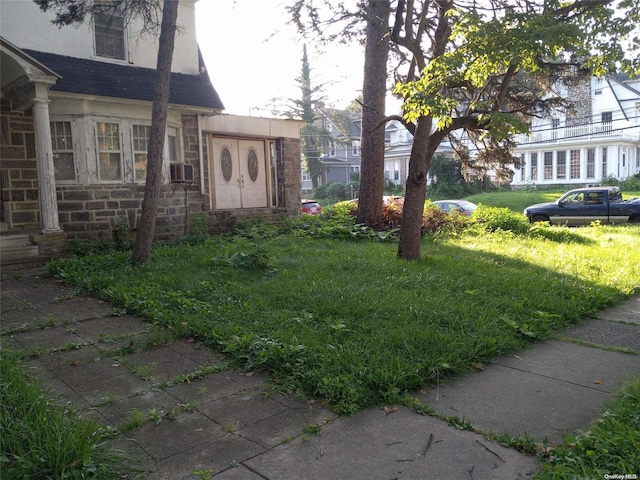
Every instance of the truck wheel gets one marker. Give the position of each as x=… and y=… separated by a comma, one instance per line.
x=540, y=218
x=635, y=219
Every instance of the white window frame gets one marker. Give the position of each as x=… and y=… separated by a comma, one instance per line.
x=57, y=148
x=561, y=175
x=112, y=15
x=136, y=150
x=120, y=151
x=533, y=167
x=575, y=170
x=547, y=165
x=591, y=163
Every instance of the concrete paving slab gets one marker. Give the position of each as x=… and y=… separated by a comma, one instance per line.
x=197, y=352
x=76, y=308
x=548, y=391
x=40, y=289
x=156, y=356
x=61, y=360
x=604, y=332
x=240, y=410
x=221, y=454
x=90, y=371
x=118, y=412
x=103, y=329
x=209, y=388
x=21, y=319
x=286, y=425
x=238, y=472
x=101, y=390
x=47, y=338
x=402, y=445
x=629, y=311
x=590, y=367
x=171, y=437
x=501, y=399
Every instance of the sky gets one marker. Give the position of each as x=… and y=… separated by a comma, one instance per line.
x=253, y=54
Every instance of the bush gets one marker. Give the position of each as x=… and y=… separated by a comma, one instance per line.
x=631, y=184
x=435, y=220
x=336, y=190
x=494, y=218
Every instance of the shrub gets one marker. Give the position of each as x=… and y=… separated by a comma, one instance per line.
x=337, y=191
x=631, y=184
x=320, y=192
x=494, y=218
x=435, y=220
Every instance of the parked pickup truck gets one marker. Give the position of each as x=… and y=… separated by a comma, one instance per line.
x=585, y=205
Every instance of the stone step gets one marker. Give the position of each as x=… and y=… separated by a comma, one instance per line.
x=14, y=240
x=19, y=253
x=16, y=247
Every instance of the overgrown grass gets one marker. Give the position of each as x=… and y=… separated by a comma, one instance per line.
x=41, y=439
x=350, y=323
x=609, y=449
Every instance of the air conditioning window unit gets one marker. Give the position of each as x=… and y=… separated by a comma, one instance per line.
x=181, y=172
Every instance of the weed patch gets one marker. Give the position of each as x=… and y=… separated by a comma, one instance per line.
x=609, y=449
x=43, y=439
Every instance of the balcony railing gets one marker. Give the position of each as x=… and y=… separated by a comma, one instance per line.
x=621, y=129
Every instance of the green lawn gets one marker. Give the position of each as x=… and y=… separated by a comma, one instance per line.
x=519, y=200
x=348, y=322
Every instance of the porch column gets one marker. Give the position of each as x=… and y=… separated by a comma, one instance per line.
x=46, y=172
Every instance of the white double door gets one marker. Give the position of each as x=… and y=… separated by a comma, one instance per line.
x=239, y=173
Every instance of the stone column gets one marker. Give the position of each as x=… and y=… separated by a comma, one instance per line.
x=46, y=172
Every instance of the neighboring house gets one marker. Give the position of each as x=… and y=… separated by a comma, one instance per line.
x=341, y=156
x=398, y=151
x=76, y=115
x=600, y=138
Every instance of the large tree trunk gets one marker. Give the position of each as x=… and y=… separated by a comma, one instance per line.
x=419, y=162
x=373, y=113
x=146, y=230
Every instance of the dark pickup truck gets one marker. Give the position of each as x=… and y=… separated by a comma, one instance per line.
x=585, y=205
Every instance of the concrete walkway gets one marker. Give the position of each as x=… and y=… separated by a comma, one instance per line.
x=211, y=422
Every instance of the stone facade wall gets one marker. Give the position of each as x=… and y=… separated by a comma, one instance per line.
x=18, y=169
x=290, y=182
x=92, y=212
x=579, y=92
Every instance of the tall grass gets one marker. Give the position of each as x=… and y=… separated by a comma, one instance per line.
x=609, y=449
x=41, y=439
x=349, y=322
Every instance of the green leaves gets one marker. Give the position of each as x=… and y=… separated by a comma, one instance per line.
x=480, y=73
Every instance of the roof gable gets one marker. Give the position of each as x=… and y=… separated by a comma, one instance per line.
x=90, y=77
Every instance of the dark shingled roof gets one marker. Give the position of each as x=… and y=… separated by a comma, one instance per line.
x=104, y=79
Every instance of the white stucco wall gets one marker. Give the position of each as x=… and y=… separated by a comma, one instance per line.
x=23, y=24
x=252, y=126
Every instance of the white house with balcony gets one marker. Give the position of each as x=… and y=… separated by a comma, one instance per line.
x=600, y=138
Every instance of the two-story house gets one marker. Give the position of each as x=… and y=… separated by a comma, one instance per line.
x=599, y=138
x=399, y=142
x=76, y=114
x=340, y=159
